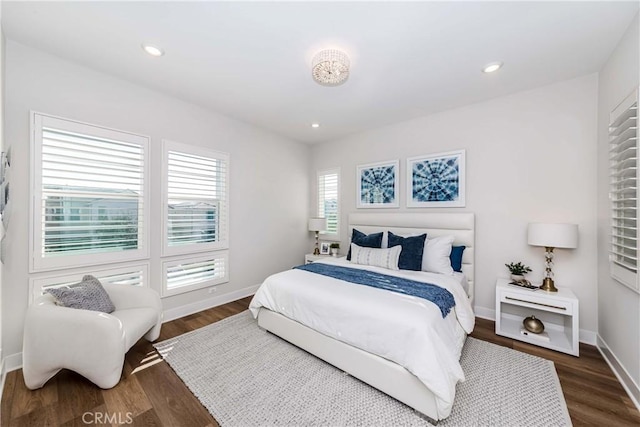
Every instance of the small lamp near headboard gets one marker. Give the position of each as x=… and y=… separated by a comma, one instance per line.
x=552, y=236
x=317, y=225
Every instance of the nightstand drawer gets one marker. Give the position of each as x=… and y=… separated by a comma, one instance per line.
x=534, y=301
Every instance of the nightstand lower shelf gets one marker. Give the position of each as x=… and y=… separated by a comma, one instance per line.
x=558, y=340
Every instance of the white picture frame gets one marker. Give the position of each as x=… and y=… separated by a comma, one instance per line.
x=325, y=248
x=378, y=185
x=436, y=180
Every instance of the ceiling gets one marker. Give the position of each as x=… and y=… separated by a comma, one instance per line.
x=251, y=60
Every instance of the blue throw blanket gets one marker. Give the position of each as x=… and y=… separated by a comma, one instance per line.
x=437, y=295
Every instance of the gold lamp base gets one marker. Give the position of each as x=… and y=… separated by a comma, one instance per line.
x=547, y=285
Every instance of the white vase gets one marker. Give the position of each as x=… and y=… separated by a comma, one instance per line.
x=517, y=277
x=334, y=251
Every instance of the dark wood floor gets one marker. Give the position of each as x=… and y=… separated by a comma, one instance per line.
x=150, y=393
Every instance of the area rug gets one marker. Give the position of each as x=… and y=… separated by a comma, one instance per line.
x=246, y=376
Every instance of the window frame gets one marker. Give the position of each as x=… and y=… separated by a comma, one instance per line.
x=38, y=262
x=194, y=248
x=324, y=172
x=167, y=263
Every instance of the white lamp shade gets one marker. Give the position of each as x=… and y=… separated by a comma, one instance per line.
x=553, y=235
x=317, y=224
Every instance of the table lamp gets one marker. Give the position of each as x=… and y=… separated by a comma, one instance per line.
x=317, y=225
x=552, y=236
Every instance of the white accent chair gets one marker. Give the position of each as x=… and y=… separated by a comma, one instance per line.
x=91, y=343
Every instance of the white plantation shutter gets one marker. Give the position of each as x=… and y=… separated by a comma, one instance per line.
x=328, y=202
x=132, y=275
x=187, y=274
x=623, y=137
x=90, y=200
x=196, y=199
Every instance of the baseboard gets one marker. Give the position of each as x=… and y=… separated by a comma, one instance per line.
x=11, y=363
x=485, y=313
x=186, y=310
x=3, y=377
x=585, y=336
x=632, y=389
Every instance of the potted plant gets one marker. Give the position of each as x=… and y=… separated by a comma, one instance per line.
x=334, y=247
x=518, y=270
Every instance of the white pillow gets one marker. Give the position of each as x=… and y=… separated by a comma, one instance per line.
x=385, y=258
x=436, y=255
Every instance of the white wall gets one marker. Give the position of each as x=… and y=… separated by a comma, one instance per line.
x=2, y=49
x=618, y=306
x=269, y=174
x=530, y=157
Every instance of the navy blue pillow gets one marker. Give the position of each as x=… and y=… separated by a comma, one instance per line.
x=456, y=257
x=412, y=250
x=373, y=240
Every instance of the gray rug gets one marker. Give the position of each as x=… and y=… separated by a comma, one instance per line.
x=245, y=376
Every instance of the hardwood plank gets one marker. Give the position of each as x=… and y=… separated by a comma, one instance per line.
x=129, y=397
x=42, y=416
x=155, y=394
x=31, y=400
x=148, y=419
x=171, y=399
x=76, y=395
x=6, y=407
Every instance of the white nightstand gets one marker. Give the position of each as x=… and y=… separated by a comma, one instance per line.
x=559, y=311
x=309, y=258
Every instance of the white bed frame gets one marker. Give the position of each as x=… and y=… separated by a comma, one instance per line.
x=380, y=373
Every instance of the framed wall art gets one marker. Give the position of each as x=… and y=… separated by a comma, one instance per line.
x=378, y=185
x=436, y=180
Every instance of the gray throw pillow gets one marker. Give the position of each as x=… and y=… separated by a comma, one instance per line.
x=87, y=295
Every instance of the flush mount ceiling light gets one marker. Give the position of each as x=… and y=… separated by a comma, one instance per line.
x=153, y=50
x=315, y=125
x=330, y=67
x=491, y=67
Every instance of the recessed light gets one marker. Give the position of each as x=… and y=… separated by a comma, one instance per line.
x=491, y=67
x=153, y=50
x=315, y=125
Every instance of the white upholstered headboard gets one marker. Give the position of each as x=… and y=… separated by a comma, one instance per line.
x=459, y=225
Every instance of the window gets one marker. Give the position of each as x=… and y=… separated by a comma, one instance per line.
x=196, y=212
x=90, y=200
x=623, y=137
x=328, y=201
x=190, y=273
x=196, y=199
x=134, y=275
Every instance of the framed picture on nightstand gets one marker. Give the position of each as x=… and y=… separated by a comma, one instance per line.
x=325, y=248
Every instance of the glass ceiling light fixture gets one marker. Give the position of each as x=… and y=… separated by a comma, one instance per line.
x=330, y=67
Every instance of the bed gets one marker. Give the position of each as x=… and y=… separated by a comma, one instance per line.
x=292, y=305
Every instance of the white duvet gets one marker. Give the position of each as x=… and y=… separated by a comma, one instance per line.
x=407, y=330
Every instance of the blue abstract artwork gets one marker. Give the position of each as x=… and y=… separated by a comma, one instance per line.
x=378, y=185
x=437, y=180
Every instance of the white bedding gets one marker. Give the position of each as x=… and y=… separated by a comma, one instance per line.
x=407, y=330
